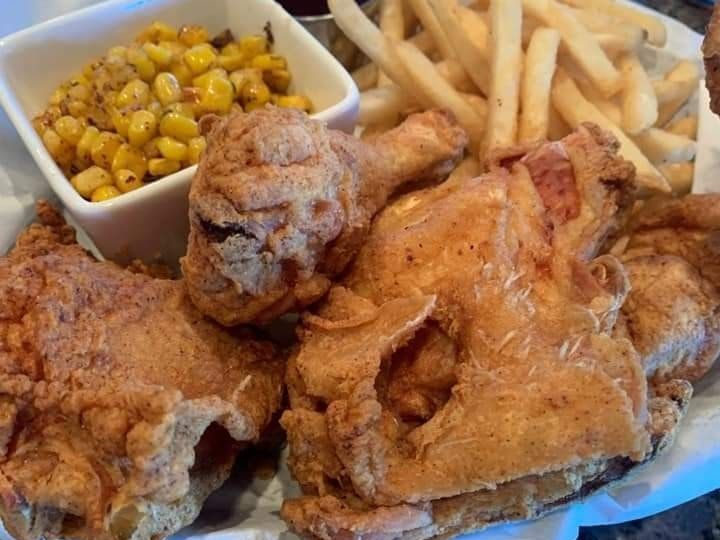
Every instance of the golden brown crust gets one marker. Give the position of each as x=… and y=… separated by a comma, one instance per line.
x=109, y=380
x=711, y=53
x=280, y=205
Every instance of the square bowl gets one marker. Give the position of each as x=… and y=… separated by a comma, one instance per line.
x=151, y=223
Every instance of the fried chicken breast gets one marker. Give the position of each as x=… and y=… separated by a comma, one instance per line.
x=280, y=204
x=465, y=373
x=673, y=260
x=122, y=408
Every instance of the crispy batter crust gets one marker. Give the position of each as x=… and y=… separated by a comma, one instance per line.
x=109, y=380
x=711, y=52
x=280, y=204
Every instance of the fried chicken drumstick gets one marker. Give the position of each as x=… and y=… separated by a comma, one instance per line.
x=280, y=204
x=122, y=407
x=465, y=373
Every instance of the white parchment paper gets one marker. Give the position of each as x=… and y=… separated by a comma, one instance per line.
x=248, y=508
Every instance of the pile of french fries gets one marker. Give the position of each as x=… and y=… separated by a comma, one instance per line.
x=519, y=71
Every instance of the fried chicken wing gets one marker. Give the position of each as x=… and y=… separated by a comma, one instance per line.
x=122, y=407
x=465, y=373
x=280, y=205
x=711, y=54
x=673, y=259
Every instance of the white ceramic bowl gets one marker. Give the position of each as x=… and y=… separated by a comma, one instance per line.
x=151, y=223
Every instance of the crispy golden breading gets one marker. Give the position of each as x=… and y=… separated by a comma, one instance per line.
x=466, y=372
x=122, y=408
x=711, y=53
x=280, y=204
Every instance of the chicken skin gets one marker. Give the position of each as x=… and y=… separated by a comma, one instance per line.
x=122, y=407
x=711, y=54
x=465, y=372
x=280, y=204
x=672, y=312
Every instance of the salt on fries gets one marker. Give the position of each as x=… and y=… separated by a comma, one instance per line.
x=517, y=71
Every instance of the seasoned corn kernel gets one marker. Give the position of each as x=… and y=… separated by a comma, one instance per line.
x=277, y=79
x=163, y=166
x=172, y=149
x=120, y=120
x=268, y=61
x=87, y=181
x=160, y=55
x=77, y=108
x=156, y=108
x=79, y=92
x=136, y=92
x=126, y=180
x=295, y=102
x=231, y=62
x=241, y=77
x=104, y=148
x=61, y=150
x=193, y=34
x=254, y=95
x=158, y=31
x=84, y=145
x=132, y=158
x=167, y=88
x=142, y=63
x=178, y=126
x=182, y=72
x=142, y=128
x=218, y=96
x=201, y=81
x=199, y=58
x=59, y=95
x=231, y=49
x=104, y=193
x=70, y=129
x=151, y=150
x=182, y=108
x=196, y=145
x=251, y=46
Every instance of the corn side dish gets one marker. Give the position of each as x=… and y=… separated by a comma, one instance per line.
x=132, y=116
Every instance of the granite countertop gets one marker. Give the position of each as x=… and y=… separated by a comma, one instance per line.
x=698, y=519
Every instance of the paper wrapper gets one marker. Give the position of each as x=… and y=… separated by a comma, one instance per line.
x=248, y=508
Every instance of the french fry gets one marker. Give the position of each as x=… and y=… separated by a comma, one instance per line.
x=390, y=101
x=608, y=106
x=669, y=90
x=440, y=91
x=575, y=110
x=366, y=77
x=379, y=104
x=579, y=43
x=505, y=66
x=661, y=146
x=472, y=57
x=427, y=18
x=613, y=44
x=392, y=25
x=540, y=62
x=476, y=28
x=686, y=72
x=655, y=28
x=468, y=168
x=423, y=41
x=476, y=102
x=557, y=127
x=679, y=175
x=686, y=126
x=361, y=30
x=639, y=103
x=601, y=23
x=411, y=20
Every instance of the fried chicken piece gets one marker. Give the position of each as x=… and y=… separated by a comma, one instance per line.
x=485, y=295
x=280, y=204
x=122, y=407
x=711, y=54
x=673, y=260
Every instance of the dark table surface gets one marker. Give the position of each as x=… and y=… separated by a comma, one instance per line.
x=698, y=519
